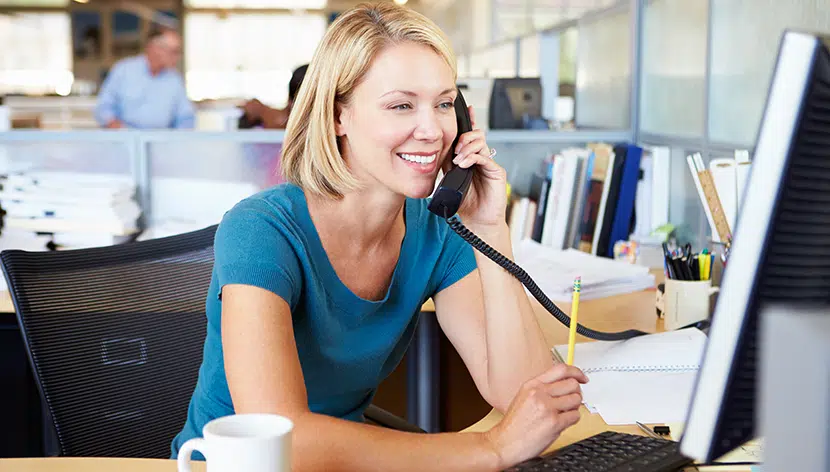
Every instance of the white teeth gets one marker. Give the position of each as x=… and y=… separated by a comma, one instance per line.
x=419, y=159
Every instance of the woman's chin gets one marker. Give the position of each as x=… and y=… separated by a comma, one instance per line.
x=420, y=191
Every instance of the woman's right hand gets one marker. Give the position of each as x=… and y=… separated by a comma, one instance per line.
x=543, y=407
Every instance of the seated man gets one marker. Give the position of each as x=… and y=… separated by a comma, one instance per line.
x=146, y=91
x=256, y=113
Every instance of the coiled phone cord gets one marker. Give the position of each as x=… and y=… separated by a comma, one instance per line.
x=534, y=289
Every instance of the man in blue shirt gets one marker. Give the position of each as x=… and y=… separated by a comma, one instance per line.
x=146, y=91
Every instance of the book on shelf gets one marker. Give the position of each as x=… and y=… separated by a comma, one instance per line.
x=585, y=198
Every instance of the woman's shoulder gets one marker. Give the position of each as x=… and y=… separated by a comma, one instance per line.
x=280, y=204
x=274, y=202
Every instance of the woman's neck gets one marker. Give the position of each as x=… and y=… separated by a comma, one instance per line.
x=361, y=220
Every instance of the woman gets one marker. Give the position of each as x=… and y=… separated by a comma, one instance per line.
x=317, y=282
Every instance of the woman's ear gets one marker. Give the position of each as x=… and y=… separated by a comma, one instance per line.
x=340, y=120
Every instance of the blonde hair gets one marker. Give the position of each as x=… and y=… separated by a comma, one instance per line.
x=310, y=155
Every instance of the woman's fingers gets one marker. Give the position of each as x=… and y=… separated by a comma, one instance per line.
x=562, y=371
x=467, y=138
x=568, y=419
x=563, y=387
x=489, y=167
x=567, y=402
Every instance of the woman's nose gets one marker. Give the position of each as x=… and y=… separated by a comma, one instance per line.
x=428, y=127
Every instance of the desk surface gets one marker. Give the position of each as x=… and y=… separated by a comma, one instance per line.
x=6, y=305
x=63, y=464
x=610, y=314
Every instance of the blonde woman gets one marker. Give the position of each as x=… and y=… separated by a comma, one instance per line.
x=317, y=282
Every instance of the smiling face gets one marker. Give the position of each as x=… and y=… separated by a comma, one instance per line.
x=399, y=124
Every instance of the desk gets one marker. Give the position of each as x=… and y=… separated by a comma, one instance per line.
x=630, y=311
x=73, y=464
x=6, y=305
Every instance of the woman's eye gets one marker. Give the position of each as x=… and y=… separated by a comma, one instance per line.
x=403, y=106
x=446, y=105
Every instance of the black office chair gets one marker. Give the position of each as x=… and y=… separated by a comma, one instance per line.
x=115, y=337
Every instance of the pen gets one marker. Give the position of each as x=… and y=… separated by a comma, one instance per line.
x=648, y=430
x=574, y=313
x=694, y=267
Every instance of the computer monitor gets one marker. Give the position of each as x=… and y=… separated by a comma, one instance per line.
x=515, y=102
x=781, y=247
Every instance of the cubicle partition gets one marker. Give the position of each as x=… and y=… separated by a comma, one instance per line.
x=189, y=179
x=183, y=179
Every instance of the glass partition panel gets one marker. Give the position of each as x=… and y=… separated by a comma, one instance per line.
x=674, y=65
x=195, y=181
x=603, y=71
x=67, y=189
x=745, y=38
x=65, y=154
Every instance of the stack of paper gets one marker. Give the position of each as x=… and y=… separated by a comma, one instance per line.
x=649, y=379
x=79, y=210
x=554, y=272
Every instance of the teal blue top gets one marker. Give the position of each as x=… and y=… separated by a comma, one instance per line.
x=347, y=345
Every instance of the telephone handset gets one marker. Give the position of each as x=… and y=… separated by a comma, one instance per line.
x=453, y=187
x=447, y=199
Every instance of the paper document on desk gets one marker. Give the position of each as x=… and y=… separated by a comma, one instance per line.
x=554, y=272
x=649, y=378
x=648, y=397
x=671, y=351
x=751, y=451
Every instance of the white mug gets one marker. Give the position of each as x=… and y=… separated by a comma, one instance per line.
x=243, y=443
x=686, y=302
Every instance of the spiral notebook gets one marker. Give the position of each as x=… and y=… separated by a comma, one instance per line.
x=672, y=351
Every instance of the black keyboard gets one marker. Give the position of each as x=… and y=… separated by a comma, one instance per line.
x=610, y=452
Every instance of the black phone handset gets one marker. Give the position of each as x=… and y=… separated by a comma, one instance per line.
x=445, y=203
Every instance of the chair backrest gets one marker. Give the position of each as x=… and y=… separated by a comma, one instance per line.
x=115, y=337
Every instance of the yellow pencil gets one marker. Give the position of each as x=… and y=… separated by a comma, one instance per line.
x=574, y=313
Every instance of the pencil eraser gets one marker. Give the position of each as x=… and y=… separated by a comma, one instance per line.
x=662, y=430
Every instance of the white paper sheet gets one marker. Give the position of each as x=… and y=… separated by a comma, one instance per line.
x=647, y=397
x=554, y=272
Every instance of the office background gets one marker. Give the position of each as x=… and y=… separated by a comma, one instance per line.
x=691, y=75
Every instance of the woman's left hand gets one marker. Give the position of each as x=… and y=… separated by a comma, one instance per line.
x=485, y=204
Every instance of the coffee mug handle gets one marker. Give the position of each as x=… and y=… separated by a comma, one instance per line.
x=195, y=444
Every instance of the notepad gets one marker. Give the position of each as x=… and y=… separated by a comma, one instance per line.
x=671, y=351
x=648, y=379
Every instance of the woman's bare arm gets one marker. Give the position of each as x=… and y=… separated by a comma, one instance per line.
x=264, y=376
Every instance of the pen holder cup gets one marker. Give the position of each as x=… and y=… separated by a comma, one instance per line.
x=684, y=302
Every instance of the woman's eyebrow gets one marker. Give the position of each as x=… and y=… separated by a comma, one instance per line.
x=413, y=94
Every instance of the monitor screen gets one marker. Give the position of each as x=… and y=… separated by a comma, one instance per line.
x=514, y=102
x=781, y=248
